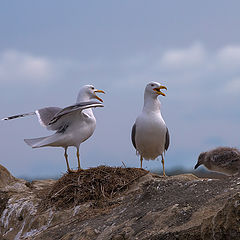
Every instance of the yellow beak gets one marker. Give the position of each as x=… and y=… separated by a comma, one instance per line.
x=158, y=90
x=98, y=91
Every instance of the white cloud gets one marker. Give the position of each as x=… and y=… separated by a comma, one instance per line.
x=192, y=66
x=17, y=66
x=229, y=56
x=184, y=58
x=196, y=60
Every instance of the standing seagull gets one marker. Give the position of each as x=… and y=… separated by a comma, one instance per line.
x=150, y=135
x=73, y=124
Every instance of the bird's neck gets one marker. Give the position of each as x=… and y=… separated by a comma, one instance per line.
x=85, y=98
x=82, y=97
x=151, y=103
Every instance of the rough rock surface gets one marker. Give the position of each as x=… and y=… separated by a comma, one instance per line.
x=153, y=207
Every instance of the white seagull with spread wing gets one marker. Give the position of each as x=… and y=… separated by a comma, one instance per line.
x=73, y=124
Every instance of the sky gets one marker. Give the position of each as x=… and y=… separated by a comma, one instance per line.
x=49, y=49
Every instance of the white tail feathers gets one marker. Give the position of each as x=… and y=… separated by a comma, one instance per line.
x=35, y=142
x=52, y=140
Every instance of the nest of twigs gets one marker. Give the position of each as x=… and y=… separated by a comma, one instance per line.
x=98, y=185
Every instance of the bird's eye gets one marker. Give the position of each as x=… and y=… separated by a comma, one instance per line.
x=92, y=88
x=152, y=85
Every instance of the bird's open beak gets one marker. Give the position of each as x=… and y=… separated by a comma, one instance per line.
x=158, y=90
x=98, y=91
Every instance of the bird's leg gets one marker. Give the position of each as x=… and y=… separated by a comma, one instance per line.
x=66, y=157
x=79, y=168
x=141, y=159
x=163, y=167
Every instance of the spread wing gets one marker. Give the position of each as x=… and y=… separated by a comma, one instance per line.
x=44, y=115
x=55, y=118
x=74, y=108
x=65, y=115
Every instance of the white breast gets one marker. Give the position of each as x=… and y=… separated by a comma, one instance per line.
x=81, y=128
x=150, y=135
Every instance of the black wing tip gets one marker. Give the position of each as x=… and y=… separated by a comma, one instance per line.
x=12, y=117
x=167, y=140
x=18, y=116
x=133, y=135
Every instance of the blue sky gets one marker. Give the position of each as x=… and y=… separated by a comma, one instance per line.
x=49, y=49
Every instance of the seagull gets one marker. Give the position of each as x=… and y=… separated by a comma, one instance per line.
x=150, y=135
x=225, y=160
x=73, y=124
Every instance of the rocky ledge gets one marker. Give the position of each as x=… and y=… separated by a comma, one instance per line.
x=119, y=204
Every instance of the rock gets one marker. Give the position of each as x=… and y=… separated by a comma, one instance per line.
x=150, y=207
x=225, y=224
x=5, y=177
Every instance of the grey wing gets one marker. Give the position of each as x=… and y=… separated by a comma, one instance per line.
x=59, y=118
x=167, y=140
x=133, y=135
x=45, y=115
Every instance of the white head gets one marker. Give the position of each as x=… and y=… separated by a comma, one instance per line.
x=88, y=92
x=154, y=89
